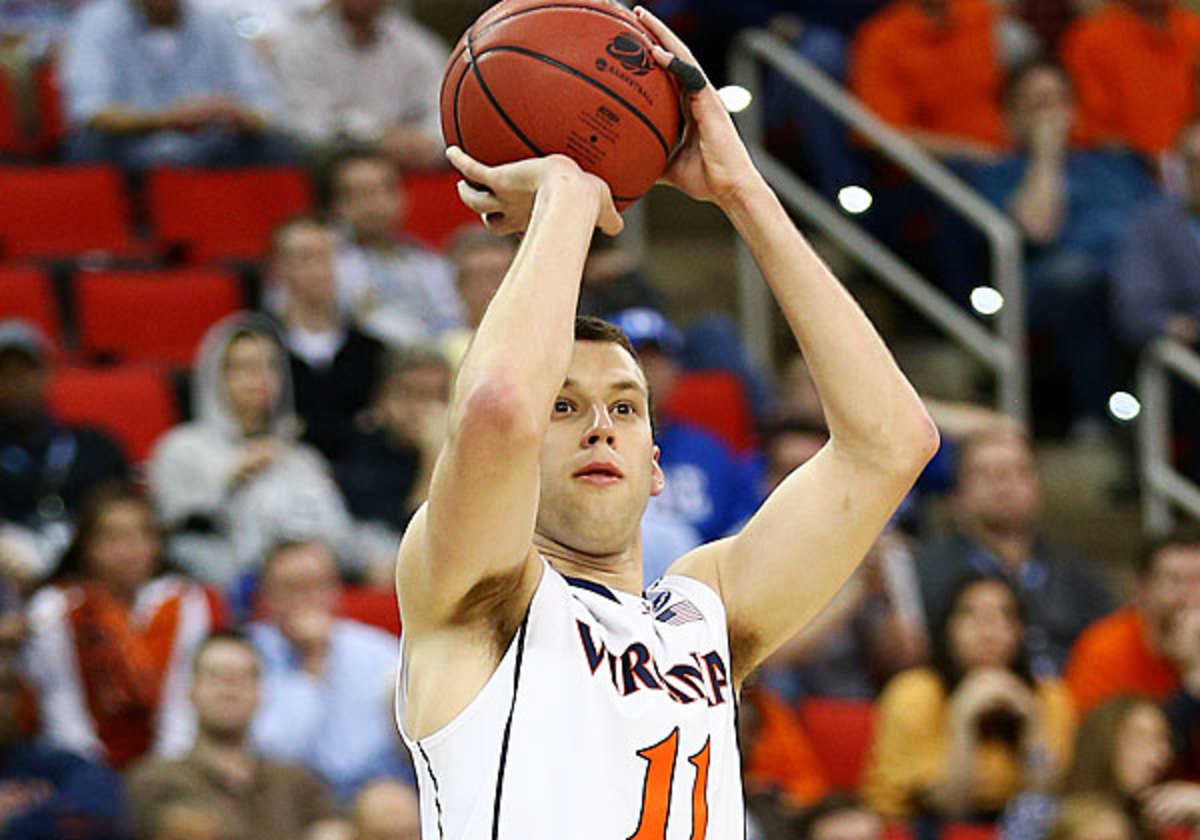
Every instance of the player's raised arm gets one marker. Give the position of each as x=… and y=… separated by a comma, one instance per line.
x=469, y=548
x=814, y=529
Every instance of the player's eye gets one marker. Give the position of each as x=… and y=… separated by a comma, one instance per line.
x=624, y=408
x=562, y=406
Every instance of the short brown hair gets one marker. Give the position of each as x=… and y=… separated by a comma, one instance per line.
x=590, y=328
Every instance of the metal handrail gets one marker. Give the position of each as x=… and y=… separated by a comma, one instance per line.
x=1003, y=350
x=1163, y=485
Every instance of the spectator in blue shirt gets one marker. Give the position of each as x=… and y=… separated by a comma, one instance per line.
x=1156, y=287
x=706, y=484
x=160, y=82
x=48, y=794
x=37, y=25
x=327, y=682
x=1071, y=205
x=996, y=530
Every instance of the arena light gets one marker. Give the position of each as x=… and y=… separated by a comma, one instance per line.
x=1124, y=406
x=735, y=98
x=855, y=199
x=986, y=301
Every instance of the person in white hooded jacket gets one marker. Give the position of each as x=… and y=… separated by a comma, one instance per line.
x=236, y=480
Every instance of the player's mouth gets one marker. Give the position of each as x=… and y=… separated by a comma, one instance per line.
x=599, y=474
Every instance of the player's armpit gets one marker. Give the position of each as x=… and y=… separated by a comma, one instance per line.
x=474, y=535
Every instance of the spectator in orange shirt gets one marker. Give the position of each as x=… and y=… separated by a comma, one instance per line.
x=780, y=760
x=1134, y=66
x=933, y=69
x=1134, y=651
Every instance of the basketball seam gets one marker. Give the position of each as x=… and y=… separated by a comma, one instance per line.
x=491, y=25
x=554, y=62
x=492, y=99
x=462, y=78
x=508, y=725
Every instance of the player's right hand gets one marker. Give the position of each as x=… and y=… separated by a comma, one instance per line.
x=504, y=195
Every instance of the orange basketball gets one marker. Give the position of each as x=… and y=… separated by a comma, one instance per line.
x=538, y=77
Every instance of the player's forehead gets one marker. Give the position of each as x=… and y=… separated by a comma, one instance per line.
x=601, y=366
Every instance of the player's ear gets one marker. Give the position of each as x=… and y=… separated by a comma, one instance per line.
x=658, y=481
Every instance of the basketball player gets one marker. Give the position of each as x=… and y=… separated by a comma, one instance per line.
x=543, y=695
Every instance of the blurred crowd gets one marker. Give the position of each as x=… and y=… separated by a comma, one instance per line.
x=203, y=646
x=1077, y=118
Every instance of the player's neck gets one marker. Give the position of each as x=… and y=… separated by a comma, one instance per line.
x=621, y=571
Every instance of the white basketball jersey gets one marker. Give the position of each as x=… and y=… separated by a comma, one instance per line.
x=610, y=717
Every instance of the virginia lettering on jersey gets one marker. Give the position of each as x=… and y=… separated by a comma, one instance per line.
x=704, y=678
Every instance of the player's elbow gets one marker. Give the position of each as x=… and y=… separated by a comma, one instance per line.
x=496, y=410
x=903, y=444
x=917, y=441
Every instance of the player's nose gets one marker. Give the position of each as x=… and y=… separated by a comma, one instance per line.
x=600, y=428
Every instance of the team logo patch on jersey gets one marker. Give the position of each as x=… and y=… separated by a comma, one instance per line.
x=681, y=612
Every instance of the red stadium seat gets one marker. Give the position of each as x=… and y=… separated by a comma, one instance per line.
x=434, y=209
x=229, y=213
x=968, y=831
x=26, y=293
x=151, y=316
x=840, y=732
x=63, y=211
x=133, y=403
x=715, y=400
x=47, y=92
x=371, y=605
x=12, y=130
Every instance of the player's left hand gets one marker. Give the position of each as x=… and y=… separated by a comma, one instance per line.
x=712, y=164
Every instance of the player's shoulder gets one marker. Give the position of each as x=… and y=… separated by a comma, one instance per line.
x=700, y=566
x=679, y=598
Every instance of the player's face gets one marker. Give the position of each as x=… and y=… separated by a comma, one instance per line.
x=599, y=464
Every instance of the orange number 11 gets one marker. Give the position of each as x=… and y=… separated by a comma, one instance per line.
x=656, y=796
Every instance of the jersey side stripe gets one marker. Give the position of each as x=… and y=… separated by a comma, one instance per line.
x=737, y=741
x=508, y=728
x=437, y=798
